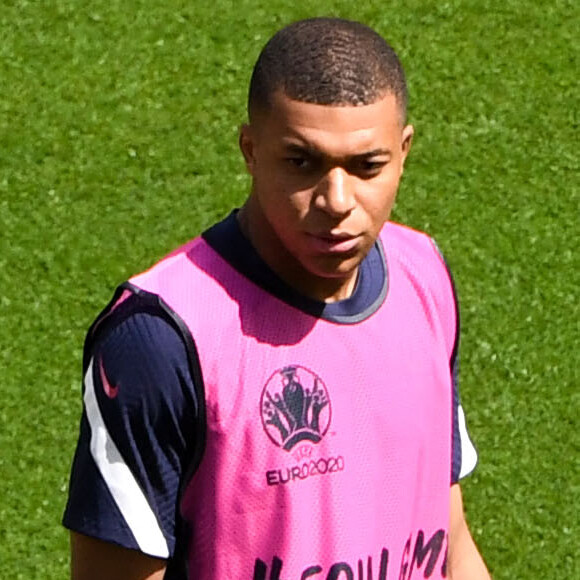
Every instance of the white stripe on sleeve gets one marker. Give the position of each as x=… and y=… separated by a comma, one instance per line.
x=123, y=486
x=468, y=452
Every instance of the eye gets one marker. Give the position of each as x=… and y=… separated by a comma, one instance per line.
x=373, y=165
x=300, y=162
x=369, y=167
x=303, y=162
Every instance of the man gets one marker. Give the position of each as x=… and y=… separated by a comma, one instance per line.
x=276, y=399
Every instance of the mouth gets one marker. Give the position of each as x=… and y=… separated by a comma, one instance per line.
x=340, y=243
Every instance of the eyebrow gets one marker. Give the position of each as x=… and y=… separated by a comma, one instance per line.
x=306, y=148
x=374, y=153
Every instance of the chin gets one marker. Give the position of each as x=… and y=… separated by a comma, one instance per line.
x=335, y=268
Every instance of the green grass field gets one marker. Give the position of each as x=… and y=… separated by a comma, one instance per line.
x=118, y=141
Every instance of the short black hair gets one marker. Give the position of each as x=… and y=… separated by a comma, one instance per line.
x=327, y=61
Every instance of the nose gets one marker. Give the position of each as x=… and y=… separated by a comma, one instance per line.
x=335, y=193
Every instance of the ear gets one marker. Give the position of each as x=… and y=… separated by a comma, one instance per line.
x=406, y=142
x=246, y=142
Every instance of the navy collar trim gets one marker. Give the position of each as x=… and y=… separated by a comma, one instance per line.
x=228, y=241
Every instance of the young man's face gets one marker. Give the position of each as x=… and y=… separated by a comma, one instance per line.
x=324, y=182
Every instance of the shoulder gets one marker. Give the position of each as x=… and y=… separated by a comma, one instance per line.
x=406, y=241
x=138, y=350
x=418, y=255
x=415, y=257
x=133, y=320
x=139, y=361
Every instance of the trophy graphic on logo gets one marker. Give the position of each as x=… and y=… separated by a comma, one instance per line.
x=292, y=413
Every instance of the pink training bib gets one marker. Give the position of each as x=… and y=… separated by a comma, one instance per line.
x=328, y=446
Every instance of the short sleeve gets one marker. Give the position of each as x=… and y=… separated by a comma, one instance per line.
x=136, y=436
x=463, y=452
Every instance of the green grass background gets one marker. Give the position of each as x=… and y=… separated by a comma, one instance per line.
x=118, y=141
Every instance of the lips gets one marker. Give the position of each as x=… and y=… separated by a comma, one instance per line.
x=333, y=243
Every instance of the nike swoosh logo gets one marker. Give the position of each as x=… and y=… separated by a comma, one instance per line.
x=110, y=391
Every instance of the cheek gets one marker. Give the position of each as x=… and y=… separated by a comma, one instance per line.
x=287, y=200
x=390, y=187
x=378, y=203
x=284, y=207
x=275, y=186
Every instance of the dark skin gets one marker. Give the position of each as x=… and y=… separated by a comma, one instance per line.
x=93, y=559
x=324, y=182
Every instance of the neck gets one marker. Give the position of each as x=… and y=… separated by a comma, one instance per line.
x=286, y=266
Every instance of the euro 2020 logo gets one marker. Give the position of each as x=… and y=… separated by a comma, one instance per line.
x=295, y=407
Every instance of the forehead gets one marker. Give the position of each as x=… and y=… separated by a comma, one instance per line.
x=339, y=130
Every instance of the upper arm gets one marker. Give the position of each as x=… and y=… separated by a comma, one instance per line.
x=135, y=442
x=93, y=559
